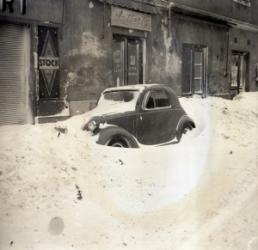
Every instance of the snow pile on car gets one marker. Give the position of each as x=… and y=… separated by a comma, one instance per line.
x=59, y=190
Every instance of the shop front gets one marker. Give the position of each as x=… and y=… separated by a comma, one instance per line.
x=129, y=31
x=29, y=59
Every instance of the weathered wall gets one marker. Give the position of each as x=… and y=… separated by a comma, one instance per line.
x=86, y=48
x=246, y=41
x=193, y=31
x=226, y=8
x=47, y=11
x=165, y=63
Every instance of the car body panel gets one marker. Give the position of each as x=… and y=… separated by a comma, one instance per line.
x=125, y=120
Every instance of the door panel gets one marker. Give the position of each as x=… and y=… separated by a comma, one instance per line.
x=198, y=78
x=118, y=62
x=187, y=71
x=193, y=79
x=157, y=120
x=155, y=126
x=49, y=69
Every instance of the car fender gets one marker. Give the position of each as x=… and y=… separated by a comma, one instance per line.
x=184, y=120
x=112, y=130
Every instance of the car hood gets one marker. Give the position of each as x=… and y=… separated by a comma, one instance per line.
x=105, y=113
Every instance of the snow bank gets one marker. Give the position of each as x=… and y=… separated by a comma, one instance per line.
x=59, y=190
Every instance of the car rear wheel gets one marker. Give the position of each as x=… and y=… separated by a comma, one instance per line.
x=183, y=130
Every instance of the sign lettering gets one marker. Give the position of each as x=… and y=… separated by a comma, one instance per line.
x=9, y=6
x=49, y=63
x=130, y=19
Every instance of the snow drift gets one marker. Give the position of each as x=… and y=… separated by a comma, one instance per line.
x=59, y=190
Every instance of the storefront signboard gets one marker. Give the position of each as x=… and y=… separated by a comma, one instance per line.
x=130, y=19
x=50, y=11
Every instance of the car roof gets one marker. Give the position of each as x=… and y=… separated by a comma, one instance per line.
x=137, y=87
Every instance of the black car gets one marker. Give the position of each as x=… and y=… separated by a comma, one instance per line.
x=129, y=116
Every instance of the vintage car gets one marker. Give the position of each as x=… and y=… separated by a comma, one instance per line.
x=130, y=116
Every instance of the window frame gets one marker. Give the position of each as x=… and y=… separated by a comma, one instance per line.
x=146, y=98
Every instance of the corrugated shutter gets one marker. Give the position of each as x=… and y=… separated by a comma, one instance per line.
x=14, y=68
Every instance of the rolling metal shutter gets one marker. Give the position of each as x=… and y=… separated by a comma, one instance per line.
x=14, y=72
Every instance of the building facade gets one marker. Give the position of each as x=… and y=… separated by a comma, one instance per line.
x=56, y=56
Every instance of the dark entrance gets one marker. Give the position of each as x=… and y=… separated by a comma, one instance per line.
x=49, y=72
x=127, y=60
x=48, y=63
x=239, y=71
x=194, y=69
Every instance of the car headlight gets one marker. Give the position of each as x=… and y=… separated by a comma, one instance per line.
x=92, y=125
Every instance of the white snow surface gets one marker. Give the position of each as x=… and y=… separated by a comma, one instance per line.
x=62, y=191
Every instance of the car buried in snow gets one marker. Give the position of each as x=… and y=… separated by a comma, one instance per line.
x=135, y=115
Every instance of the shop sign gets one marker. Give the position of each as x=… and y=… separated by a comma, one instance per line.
x=33, y=10
x=12, y=6
x=130, y=19
x=51, y=63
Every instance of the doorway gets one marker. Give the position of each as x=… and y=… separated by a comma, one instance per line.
x=239, y=71
x=127, y=60
x=194, y=69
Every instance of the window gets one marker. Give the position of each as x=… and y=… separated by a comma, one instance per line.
x=243, y=2
x=157, y=99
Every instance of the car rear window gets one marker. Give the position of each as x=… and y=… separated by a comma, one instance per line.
x=157, y=99
x=119, y=96
x=122, y=100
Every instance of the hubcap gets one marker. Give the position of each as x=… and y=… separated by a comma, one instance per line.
x=117, y=144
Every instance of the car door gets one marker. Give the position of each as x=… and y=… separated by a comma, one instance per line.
x=155, y=119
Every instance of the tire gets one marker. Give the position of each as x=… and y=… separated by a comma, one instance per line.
x=183, y=130
x=116, y=137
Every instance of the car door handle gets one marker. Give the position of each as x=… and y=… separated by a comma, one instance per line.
x=141, y=117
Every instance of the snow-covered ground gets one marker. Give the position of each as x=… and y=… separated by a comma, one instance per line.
x=61, y=191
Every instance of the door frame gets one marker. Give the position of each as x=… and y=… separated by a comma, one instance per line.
x=125, y=39
x=204, y=49
x=246, y=57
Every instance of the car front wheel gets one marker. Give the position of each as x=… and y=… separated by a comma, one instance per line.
x=116, y=137
x=119, y=142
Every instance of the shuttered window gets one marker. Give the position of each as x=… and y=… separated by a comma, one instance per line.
x=14, y=70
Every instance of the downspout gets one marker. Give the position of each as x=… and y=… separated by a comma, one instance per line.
x=170, y=6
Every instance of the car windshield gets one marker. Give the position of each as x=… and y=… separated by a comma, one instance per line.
x=122, y=99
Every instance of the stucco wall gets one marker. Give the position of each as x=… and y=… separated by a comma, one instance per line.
x=86, y=51
x=86, y=47
x=186, y=30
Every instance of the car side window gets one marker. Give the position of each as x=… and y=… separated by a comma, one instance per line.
x=157, y=99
